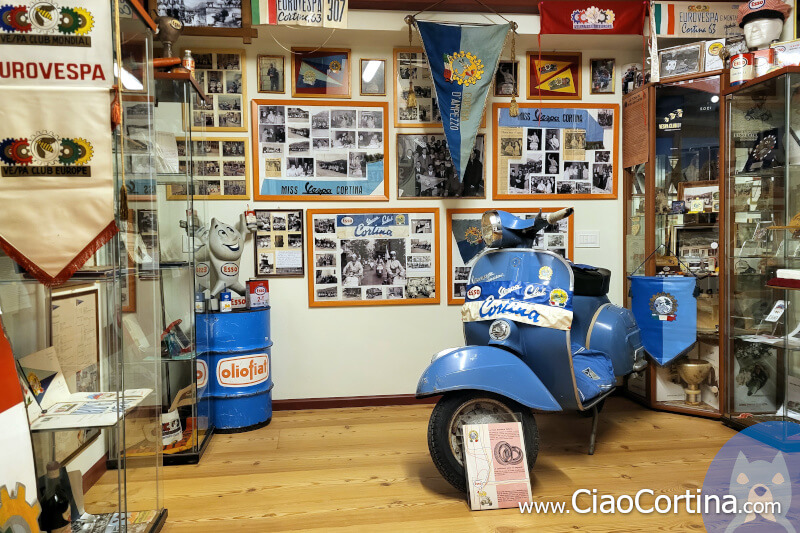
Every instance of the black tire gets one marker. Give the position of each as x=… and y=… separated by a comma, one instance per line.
x=439, y=432
x=589, y=413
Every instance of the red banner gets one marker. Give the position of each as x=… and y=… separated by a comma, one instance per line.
x=592, y=18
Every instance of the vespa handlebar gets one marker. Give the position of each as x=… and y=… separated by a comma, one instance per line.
x=552, y=218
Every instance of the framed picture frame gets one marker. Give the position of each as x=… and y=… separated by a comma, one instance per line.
x=205, y=17
x=632, y=77
x=373, y=77
x=506, y=79
x=320, y=150
x=567, y=151
x=271, y=74
x=705, y=191
x=221, y=169
x=424, y=168
x=681, y=60
x=464, y=243
x=554, y=75
x=373, y=257
x=221, y=73
x=278, y=243
x=321, y=73
x=602, y=76
x=692, y=244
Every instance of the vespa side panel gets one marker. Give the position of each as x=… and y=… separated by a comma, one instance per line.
x=489, y=369
x=605, y=335
x=584, y=309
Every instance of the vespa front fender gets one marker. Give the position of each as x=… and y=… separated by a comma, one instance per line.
x=489, y=369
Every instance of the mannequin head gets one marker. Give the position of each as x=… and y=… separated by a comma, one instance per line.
x=762, y=21
x=759, y=33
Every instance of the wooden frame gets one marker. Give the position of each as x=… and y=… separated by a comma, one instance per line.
x=298, y=53
x=612, y=84
x=202, y=76
x=260, y=233
x=361, y=77
x=310, y=250
x=451, y=298
x=614, y=151
x=300, y=196
x=574, y=68
x=699, y=57
x=246, y=32
x=259, y=67
x=480, y=138
x=685, y=186
x=174, y=192
x=515, y=68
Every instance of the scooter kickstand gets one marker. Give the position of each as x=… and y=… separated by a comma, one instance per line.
x=593, y=436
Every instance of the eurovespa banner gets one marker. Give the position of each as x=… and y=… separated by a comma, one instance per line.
x=56, y=178
x=665, y=308
x=319, y=13
x=695, y=20
x=463, y=61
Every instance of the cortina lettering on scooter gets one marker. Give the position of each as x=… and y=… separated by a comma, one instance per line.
x=528, y=303
x=491, y=308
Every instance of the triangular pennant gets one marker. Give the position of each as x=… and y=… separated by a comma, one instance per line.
x=462, y=61
x=546, y=69
x=562, y=82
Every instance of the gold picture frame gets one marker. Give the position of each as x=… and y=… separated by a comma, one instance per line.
x=262, y=81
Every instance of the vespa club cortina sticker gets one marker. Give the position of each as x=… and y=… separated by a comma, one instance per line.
x=545, y=273
x=663, y=306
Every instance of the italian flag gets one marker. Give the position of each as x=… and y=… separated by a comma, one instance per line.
x=264, y=11
x=17, y=474
x=664, y=18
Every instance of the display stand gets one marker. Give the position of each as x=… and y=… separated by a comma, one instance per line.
x=674, y=199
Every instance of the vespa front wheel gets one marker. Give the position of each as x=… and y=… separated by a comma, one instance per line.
x=473, y=407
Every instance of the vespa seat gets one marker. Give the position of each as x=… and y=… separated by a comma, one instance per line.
x=590, y=281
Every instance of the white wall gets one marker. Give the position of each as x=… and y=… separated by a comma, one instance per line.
x=350, y=351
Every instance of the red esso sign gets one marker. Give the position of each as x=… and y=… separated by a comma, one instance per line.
x=243, y=371
x=756, y=4
x=230, y=269
x=346, y=221
x=261, y=291
x=474, y=292
x=739, y=62
x=201, y=269
x=202, y=373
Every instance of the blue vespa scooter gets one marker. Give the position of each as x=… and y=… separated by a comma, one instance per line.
x=541, y=335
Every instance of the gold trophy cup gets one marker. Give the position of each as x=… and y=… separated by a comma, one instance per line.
x=693, y=372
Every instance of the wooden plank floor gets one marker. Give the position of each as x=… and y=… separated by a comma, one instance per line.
x=368, y=469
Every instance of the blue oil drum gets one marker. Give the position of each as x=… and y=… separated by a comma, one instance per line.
x=236, y=349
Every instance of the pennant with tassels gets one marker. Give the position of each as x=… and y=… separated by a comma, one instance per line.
x=462, y=61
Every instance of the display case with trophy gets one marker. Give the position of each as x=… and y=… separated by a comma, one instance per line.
x=87, y=349
x=672, y=213
x=763, y=221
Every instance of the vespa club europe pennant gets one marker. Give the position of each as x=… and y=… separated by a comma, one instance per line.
x=56, y=178
x=528, y=303
x=665, y=310
x=462, y=61
x=592, y=18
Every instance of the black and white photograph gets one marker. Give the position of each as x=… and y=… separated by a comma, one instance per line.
x=552, y=163
x=278, y=222
x=369, y=262
x=511, y=147
x=299, y=167
x=681, y=60
x=299, y=146
x=421, y=226
x=325, y=276
x=224, y=158
x=203, y=13
x=420, y=246
x=602, y=76
x=294, y=221
x=281, y=236
x=543, y=185
x=233, y=83
x=357, y=165
x=229, y=62
x=605, y=117
x=271, y=74
x=343, y=118
x=297, y=115
x=324, y=243
x=147, y=221
x=321, y=144
x=424, y=168
x=505, y=79
x=602, y=178
x=324, y=225
x=234, y=188
x=229, y=102
x=298, y=132
x=263, y=241
x=602, y=156
x=271, y=114
x=325, y=260
x=220, y=73
x=321, y=123
x=534, y=139
x=411, y=69
x=373, y=77
x=344, y=139
x=576, y=170
x=370, y=119
x=233, y=148
x=279, y=241
x=331, y=165
x=518, y=180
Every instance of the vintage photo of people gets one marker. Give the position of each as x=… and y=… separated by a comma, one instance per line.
x=412, y=74
x=424, y=168
x=223, y=165
x=271, y=74
x=278, y=243
x=505, y=79
x=221, y=75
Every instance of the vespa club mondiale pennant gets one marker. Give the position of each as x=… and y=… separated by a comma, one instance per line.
x=462, y=61
x=56, y=178
x=592, y=18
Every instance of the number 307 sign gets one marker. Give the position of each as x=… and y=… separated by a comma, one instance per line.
x=321, y=13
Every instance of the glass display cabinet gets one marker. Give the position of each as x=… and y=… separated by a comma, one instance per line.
x=100, y=332
x=763, y=197
x=672, y=227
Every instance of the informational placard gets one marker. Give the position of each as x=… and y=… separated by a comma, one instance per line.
x=497, y=466
x=65, y=44
x=695, y=20
x=566, y=151
x=318, y=150
x=635, y=128
x=373, y=257
x=322, y=14
x=278, y=243
x=465, y=243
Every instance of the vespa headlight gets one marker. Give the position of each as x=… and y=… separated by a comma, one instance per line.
x=499, y=330
x=491, y=229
